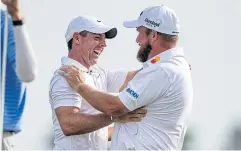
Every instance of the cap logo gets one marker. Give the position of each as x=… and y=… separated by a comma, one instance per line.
x=156, y=59
x=151, y=23
x=175, y=32
x=98, y=21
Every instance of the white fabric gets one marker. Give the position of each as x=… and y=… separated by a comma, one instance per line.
x=164, y=87
x=91, y=24
x=9, y=141
x=159, y=18
x=26, y=62
x=61, y=94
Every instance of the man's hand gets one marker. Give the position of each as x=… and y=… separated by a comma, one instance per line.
x=13, y=9
x=134, y=116
x=73, y=75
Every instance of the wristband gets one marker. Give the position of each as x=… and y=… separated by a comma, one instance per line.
x=17, y=22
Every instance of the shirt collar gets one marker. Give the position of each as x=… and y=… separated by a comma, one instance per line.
x=164, y=56
x=69, y=61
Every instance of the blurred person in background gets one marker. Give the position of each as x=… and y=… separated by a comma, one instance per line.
x=20, y=69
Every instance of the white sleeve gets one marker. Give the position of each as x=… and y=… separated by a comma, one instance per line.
x=25, y=57
x=115, y=79
x=62, y=94
x=144, y=88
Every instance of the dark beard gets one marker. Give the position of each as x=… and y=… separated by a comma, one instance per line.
x=143, y=54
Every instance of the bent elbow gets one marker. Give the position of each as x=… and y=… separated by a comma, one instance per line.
x=68, y=131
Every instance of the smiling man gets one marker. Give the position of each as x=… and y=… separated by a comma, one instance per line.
x=77, y=125
x=163, y=86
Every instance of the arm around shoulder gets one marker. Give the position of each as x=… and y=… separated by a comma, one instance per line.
x=67, y=104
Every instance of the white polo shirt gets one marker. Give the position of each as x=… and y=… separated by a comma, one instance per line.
x=61, y=94
x=164, y=87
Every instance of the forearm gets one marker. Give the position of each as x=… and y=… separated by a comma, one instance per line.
x=25, y=56
x=80, y=123
x=106, y=103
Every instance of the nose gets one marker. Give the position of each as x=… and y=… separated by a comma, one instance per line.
x=103, y=43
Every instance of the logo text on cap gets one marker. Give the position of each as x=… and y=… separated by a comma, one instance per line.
x=175, y=32
x=152, y=23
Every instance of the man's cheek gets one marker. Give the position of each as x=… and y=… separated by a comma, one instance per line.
x=92, y=45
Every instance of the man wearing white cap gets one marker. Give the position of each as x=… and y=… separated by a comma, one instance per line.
x=163, y=86
x=77, y=125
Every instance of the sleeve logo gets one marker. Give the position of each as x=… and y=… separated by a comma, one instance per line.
x=132, y=93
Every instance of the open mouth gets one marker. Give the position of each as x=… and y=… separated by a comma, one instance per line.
x=97, y=52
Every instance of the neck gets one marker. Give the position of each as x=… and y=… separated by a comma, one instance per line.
x=79, y=59
x=157, y=50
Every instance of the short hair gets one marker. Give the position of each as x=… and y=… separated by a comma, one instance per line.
x=166, y=37
x=82, y=33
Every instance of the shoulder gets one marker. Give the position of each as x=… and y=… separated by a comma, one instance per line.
x=154, y=71
x=177, y=67
x=58, y=82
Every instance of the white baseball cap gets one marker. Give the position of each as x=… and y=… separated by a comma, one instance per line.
x=159, y=18
x=91, y=24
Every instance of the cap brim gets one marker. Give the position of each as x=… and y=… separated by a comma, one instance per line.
x=109, y=31
x=131, y=24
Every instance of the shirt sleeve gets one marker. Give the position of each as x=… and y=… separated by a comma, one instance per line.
x=115, y=79
x=26, y=62
x=144, y=88
x=19, y=51
x=62, y=94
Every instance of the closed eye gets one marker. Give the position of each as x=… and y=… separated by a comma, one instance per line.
x=97, y=37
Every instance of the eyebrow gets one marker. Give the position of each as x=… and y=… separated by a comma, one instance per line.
x=95, y=34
